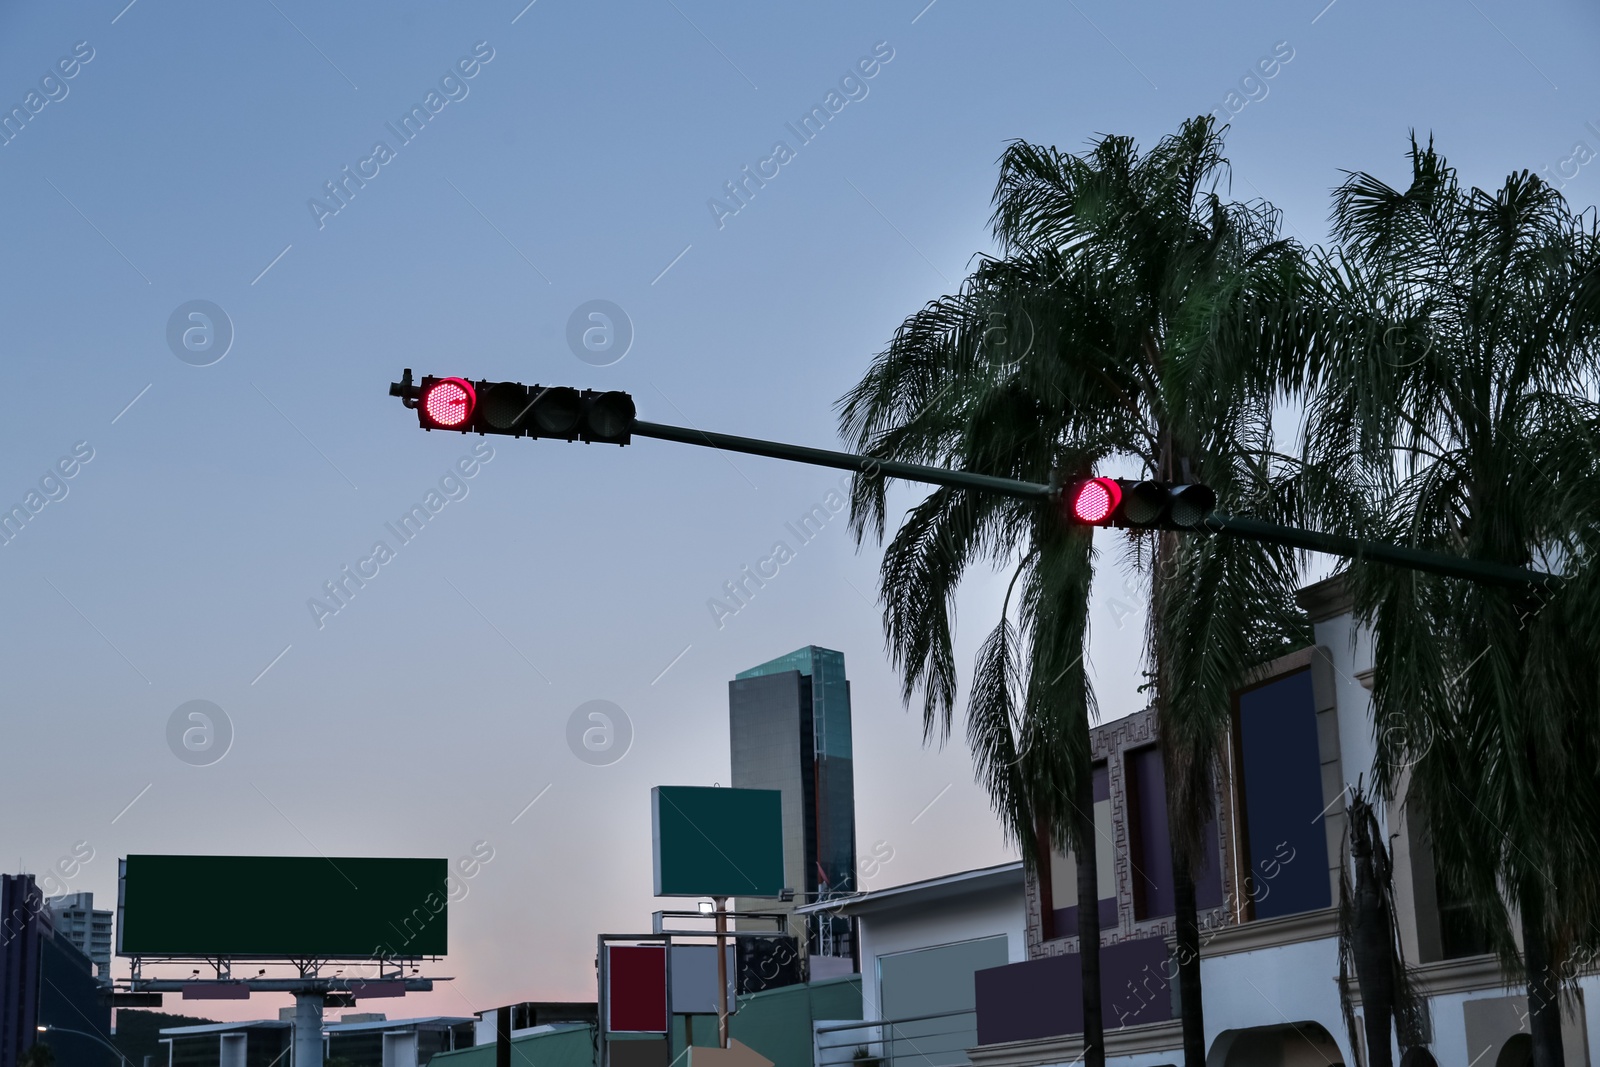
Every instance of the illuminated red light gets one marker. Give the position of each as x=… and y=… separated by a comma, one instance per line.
x=1094, y=500
x=448, y=403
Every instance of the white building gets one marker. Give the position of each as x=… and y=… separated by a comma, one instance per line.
x=1303, y=733
x=920, y=946
x=75, y=918
x=366, y=1040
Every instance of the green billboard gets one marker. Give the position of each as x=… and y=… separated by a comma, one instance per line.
x=712, y=842
x=281, y=907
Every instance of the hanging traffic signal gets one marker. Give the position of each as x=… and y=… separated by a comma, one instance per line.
x=518, y=410
x=1129, y=504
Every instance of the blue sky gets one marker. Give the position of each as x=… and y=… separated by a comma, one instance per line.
x=577, y=163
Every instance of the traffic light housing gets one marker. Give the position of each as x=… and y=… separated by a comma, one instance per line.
x=1136, y=505
x=513, y=409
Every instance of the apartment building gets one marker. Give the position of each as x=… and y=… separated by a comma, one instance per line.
x=76, y=919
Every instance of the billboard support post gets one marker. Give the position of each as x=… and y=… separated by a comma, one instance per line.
x=603, y=1002
x=308, y=1029
x=502, y=1037
x=722, y=971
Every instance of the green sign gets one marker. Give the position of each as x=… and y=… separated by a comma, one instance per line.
x=281, y=907
x=717, y=842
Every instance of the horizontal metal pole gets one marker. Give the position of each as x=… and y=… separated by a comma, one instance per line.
x=848, y=461
x=1416, y=559
x=1236, y=525
x=868, y=1023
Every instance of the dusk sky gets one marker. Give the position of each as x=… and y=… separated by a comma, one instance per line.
x=217, y=485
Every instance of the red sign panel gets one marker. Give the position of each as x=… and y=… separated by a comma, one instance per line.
x=216, y=991
x=637, y=998
x=366, y=990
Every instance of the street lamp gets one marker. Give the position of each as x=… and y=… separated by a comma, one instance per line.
x=51, y=1028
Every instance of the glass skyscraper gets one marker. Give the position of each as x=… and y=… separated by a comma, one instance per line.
x=789, y=725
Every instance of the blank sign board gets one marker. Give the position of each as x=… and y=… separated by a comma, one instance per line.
x=717, y=842
x=282, y=907
x=694, y=979
x=636, y=979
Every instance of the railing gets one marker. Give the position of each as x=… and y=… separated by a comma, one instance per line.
x=939, y=1040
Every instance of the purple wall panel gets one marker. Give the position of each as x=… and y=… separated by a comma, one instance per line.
x=1025, y=1001
x=1044, y=997
x=1066, y=919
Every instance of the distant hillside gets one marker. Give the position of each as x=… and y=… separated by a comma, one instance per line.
x=138, y=1034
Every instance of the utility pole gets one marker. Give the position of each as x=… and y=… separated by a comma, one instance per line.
x=722, y=971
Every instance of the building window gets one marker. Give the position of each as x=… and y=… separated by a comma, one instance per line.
x=1064, y=866
x=1150, y=845
x=1460, y=933
x=1282, y=842
x=933, y=981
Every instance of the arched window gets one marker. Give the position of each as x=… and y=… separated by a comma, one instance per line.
x=1302, y=1044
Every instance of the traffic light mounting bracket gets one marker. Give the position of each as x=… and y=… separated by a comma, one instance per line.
x=406, y=390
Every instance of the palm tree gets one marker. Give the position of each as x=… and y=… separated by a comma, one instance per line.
x=1030, y=699
x=1370, y=952
x=1133, y=315
x=1458, y=398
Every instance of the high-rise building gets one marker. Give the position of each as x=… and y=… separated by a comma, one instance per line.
x=789, y=727
x=75, y=919
x=46, y=982
x=24, y=926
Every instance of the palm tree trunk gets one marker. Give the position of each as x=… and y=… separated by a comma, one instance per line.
x=1042, y=851
x=1094, y=1050
x=1187, y=949
x=1186, y=917
x=1373, y=937
x=1544, y=1004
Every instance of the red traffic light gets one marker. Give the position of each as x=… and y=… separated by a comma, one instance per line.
x=1131, y=505
x=448, y=403
x=1093, y=501
x=518, y=410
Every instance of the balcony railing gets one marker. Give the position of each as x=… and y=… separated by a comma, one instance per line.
x=938, y=1040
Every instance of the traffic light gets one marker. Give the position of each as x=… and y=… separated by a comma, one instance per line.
x=518, y=410
x=447, y=403
x=1129, y=504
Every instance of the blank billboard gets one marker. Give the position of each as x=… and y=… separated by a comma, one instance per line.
x=280, y=907
x=717, y=842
